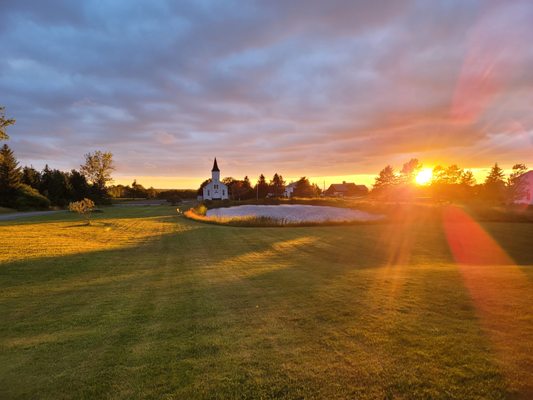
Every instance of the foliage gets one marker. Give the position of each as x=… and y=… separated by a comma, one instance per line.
x=4, y=123
x=84, y=208
x=28, y=198
x=200, y=209
x=9, y=177
x=205, y=183
x=181, y=193
x=385, y=182
x=261, y=187
x=494, y=186
x=516, y=186
x=277, y=185
x=97, y=170
x=304, y=188
x=452, y=184
x=31, y=177
x=409, y=171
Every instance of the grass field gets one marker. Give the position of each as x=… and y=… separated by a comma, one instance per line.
x=148, y=304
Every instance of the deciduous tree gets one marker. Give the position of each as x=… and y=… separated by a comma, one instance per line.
x=4, y=123
x=97, y=169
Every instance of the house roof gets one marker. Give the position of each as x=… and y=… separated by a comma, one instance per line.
x=215, y=166
x=345, y=187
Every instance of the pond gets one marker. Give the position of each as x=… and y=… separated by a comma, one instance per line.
x=295, y=213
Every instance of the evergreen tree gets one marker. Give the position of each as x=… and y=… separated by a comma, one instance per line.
x=467, y=179
x=494, y=186
x=386, y=179
x=261, y=187
x=277, y=185
x=31, y=177
x=9, y=177
x=304, y=188
x=79, y=187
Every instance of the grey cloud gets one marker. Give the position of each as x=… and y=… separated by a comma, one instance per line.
x=342, y=84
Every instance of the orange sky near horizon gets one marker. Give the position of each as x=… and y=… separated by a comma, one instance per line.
x=179, y=182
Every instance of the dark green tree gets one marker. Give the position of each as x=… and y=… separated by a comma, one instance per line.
x=261, y=187
x=31, y=177
x=78, y=185
x=55, y=186
x=9, y=176
x=277, y=185
x=494, y=186
x=304, y=188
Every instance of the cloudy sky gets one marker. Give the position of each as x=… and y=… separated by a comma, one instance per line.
x=317, y=88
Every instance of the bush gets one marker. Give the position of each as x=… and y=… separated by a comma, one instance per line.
x=27, y=198
x=200, y=210
x=84, y=208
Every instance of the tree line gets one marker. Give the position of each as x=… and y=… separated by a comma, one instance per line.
x=450, y=183
x=243, y=189
x=28, y=188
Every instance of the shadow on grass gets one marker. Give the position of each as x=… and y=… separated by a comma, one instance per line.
x=254, y=313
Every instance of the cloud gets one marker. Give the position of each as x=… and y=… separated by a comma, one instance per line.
x=302, y=87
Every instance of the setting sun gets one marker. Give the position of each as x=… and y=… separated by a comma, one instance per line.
x=424, y=176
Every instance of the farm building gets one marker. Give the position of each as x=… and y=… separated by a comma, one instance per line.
x=346, y=189
x=215, y=190
x=527, y=181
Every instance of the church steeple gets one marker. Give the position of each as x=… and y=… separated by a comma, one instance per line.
x=215, y=166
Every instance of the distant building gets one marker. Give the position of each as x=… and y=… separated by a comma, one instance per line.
x=289, y=189
x=526, y=180
x=215, y=190
x=346, y=189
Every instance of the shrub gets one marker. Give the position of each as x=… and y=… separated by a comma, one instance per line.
x=27, y=198
x=200, y=210
x=83, y=207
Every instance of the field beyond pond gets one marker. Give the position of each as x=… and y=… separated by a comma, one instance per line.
x=147, y=304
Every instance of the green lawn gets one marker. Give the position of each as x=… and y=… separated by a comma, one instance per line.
x=148, y=304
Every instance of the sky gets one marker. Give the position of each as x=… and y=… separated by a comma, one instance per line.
x=331, y=90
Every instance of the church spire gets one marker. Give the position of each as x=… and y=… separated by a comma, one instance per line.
x=215, y=166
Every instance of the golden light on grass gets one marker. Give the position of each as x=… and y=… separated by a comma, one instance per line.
x=424, y=176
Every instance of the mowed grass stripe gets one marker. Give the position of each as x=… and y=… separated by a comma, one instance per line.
x=187, y=310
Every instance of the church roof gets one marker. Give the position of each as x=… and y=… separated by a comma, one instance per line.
x=215, y=166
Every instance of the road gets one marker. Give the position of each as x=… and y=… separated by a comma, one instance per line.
x=17, y=215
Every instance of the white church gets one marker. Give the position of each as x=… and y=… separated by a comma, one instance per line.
x=215, y=190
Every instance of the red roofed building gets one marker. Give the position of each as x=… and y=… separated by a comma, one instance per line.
x=346, y=189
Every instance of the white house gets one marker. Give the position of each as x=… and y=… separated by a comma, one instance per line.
x=289, y=189
x=215, y=190
x=526, y=180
